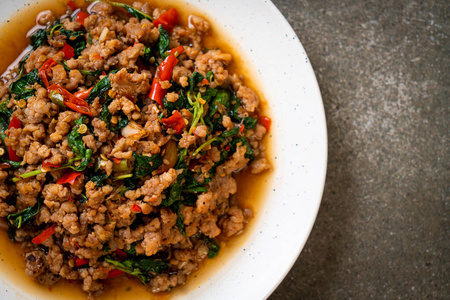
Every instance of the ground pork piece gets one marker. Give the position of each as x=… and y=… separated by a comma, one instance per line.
x=102, y=9
x=28, y=190
x=130, y=84
x=91, y=142
x=54, y=257
x=227, y=123
x=153, y=187
x=216, y=61
x=59, y=75
x=65, y=123
x=199, y=24
x=95, y=195
x=45, y=17
x=223, y=186
x=152, y=237
x=75, y=79
x=236, y=163
x=124, y=104
x=201, y=131
x=143, y=31
x=48, y=279
x=5, y=208
x=31, y=156
x=248, y=97
x=128, y=57
x=233, y=223
x=124, y=148
x=36, y=263
x=186, y=140
x=260, y=165
x=180, y=74
x=206, y=202
x=54, y=194
x=163, y=282
x=38, y=57
x=39, y=108
x=101, y=130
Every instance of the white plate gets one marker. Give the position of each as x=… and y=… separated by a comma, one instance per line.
x=281, y=69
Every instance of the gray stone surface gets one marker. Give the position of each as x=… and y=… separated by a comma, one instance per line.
x=383, y=226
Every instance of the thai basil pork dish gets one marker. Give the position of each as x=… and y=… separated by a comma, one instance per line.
x=121, y=137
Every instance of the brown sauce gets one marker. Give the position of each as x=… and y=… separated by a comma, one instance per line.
x=251, y=188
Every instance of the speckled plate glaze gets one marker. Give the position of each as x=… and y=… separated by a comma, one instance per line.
x=281, y=69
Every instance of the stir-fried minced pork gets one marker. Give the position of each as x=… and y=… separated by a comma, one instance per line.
x=121, y=136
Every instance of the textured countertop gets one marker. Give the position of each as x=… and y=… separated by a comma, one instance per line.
x=383, y=227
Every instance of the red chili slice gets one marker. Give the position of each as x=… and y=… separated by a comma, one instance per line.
x=83, y=94
x=136, y=208
x=72, y=5
x=179, y=49
x=46, y=164
x=114, y=273
x=163, y=72
x=175, y=121
x=44, y=235
x=265, y=121
x=71, y=101
x=81, y=262
x=44, y=69
x=81, y=16
x=68, y=51
x=69, y=177
x=121, y=255
x=168, y=20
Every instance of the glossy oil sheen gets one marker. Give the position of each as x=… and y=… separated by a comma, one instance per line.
x=251, y=188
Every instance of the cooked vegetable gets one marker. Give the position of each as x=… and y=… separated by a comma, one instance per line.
x=134, y=12
x=141, y=268
x=163, y=72
x=25, y=215
x=145, y=165
x=168, y=19
x=22, y=87
x=175, y=121
x=69, y=177
x=44, y=235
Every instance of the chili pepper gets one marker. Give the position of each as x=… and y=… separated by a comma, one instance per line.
x=136, y=208
x=205, y=81
x=42, y=72
x=69, y=177
x=114, y=273
x=168, y=20
x=175, y=121
x=179, y=49
x=46, y=164
x=265, y=121
x=81, y=262
x=120, y=254
x=44, y=235
x=116, y=160
x=83, y=94
x=241, y=128
x=15, y=123
x=163, y=72
x=72, y=5
x=81, y=16
x=72, y=102
x=226, y=148
x=68, y=51
x=193, y=163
